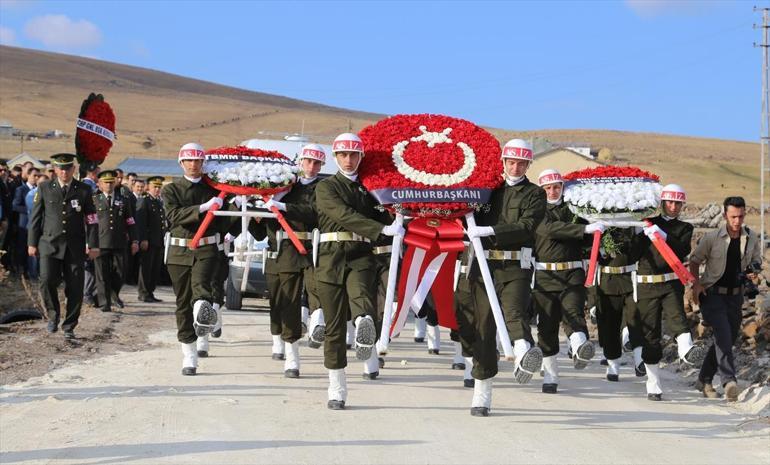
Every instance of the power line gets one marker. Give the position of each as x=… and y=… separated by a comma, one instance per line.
x=765, y=122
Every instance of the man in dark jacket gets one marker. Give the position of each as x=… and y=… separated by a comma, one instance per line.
x=63, y=229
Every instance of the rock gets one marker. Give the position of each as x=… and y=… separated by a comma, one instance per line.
x=750, y=328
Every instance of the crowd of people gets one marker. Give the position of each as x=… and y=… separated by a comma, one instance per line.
x=535, y=248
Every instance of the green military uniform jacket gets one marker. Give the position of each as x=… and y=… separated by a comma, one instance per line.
x=152, y=216
x=116, y=222
x=344, y=205
x=183, y=199
x=679, y=238
x=560, y=237
x=302, y=217
x=612, y=283
x=58, y=223
x=514, y=214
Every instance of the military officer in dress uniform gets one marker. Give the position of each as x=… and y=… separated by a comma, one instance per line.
x=187, y=201
x=346, y=275
x=508, y=229
x=559, y=291
x=150, y=208
x=285, y=266
x=660, y=292
x=116, y=228
x=63, y=230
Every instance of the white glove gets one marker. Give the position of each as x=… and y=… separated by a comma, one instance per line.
x=593, y=227
x=650, y=231
x=393, y=229
x=229, y=237
x=274, y=203
x=480, y=231
x=207, y=206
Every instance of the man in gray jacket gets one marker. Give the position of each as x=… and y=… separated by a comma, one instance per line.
x=731, y=254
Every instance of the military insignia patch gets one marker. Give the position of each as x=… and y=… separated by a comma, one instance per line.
x=36, y=197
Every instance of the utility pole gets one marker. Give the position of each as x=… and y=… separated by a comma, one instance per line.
x=765, y=123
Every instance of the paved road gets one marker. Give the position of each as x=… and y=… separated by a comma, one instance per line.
x=136, y=408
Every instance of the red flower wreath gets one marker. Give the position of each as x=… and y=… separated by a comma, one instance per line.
x=611, y=173
x=430, y=165
x=95, y=130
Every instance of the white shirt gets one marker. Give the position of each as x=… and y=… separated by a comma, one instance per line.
x=306, y=181
x=352, y=177
x=193, y=180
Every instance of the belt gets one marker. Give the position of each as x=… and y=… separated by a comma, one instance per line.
x=301, y=235
x=181, y=242
x=559, y=266
x=618, y=269
x=502, y=254
x=272, y=255
x=463, y=269
x=342, y=236
x=726, y=290
x=655, y=278
x=382, y=249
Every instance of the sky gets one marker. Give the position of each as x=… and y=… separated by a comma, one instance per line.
x=675, y=67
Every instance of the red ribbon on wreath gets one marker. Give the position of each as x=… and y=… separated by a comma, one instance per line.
x=429, y=266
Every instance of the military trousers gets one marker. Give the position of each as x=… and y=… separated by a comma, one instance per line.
x=149, y=270
x=651, y=309
x=464, y=313
x=612, y=311
x=355, y=296
x=108, y=270
x=551, y=308
x=218, y=286
x=191, y=283
x=285, y=305
x=52, y=272
x=311, y=288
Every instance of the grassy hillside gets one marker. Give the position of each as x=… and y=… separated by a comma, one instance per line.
x=157, y=112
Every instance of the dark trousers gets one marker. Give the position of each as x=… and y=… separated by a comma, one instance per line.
x=149, y=270
x=223, y=270
x=191, y=283
x=52, y=272
x=311, y=288
x=464, y=312
x=89, y=283
x=551, y=307
x=651, y=311
x=108, y=267
x=514, y=297
x=354, y=297
x=611, y=312
x=285, y=305
x=723, y=313
x=20, y=253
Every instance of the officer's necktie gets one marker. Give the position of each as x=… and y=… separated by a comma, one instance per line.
x=109, y=200
x=64, y=190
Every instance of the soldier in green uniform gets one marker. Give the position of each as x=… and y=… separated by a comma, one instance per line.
x=508, y=229
x=63, y=230
x=464, y=313
x=559, y=291
x=285, y=266
x=116, y=228
x=616, y=303
x=151, y=238
x=346, y=274
x=660, y=293
x=187, y=201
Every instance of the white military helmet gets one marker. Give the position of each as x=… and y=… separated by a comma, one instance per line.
x=313, y=152
x=517, y=148
x=191, y=151
x=549, y=176
x=348, y=142
x=673, y=192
